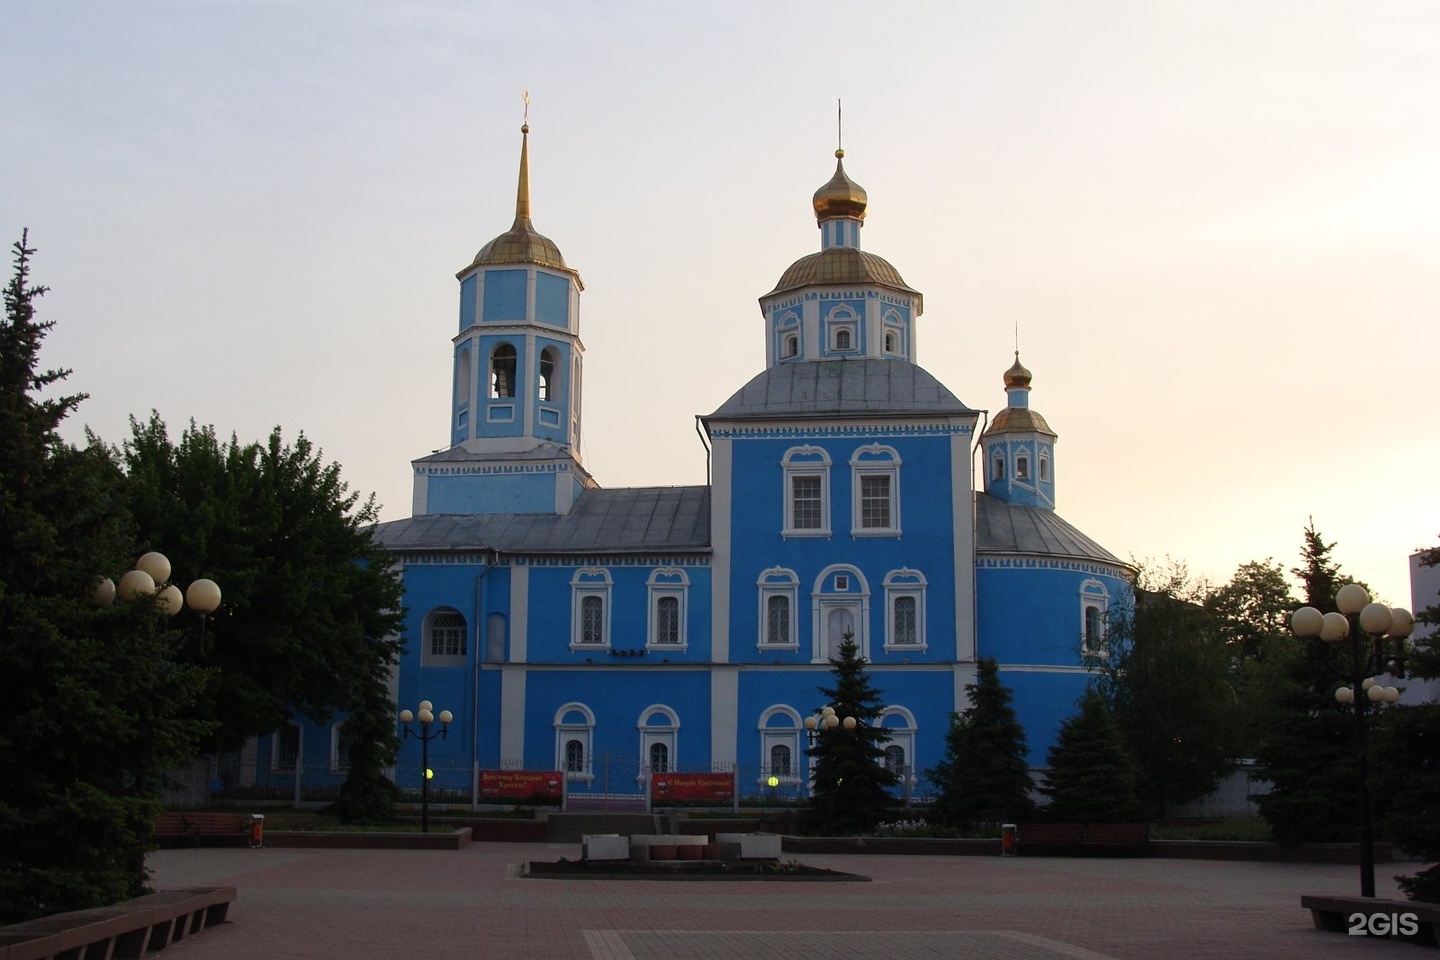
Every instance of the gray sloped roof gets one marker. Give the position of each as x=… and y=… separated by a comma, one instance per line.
x=815, y=388
x=1011, y=528
x=624, y=520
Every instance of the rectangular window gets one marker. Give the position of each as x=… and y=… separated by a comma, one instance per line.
x=905, y=621
x=777, y=619
x=1022, y=468
x=286, y=745
x=592, y=619
x=667, y=620
x=447, y=636
x=806, y=513
x=875, y=501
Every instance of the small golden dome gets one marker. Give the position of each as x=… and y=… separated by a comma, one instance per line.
x=1018, y=420
x=1017, y=375
x=843, y=265
x=841, y=196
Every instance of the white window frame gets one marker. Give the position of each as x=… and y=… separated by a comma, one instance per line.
x=905, y=583
x=1094, y=594
x=874, y=460
x=666, y=732
x=997, y=464
x=668, y=583
x=826, y=595
x=842, y=318
x=428, y=656
x=1044, y=474
x=590, y=582
x=567, y=728
x=903, y=735
x=1022, y=467
x=806, y=461
x=787, y=328
x=781, y=736
x=782, y=583
x=339, y=763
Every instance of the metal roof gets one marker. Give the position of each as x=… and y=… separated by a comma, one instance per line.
x=863, y=386
x=1011, y=528
x=628, y=520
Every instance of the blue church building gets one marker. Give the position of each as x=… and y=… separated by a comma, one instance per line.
x=615, y=633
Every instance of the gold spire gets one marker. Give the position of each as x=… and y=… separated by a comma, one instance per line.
x=522, y=190
x=521, y=243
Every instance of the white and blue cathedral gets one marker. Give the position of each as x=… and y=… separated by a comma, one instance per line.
x=612, y=633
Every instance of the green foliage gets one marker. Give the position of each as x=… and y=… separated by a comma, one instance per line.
x=984, y=775
x=1252, y=612
x=1167, y=680
x=1305, y=741
x=311, y=603
x=1092, y=776
x=850, y=793
x=92, y=700
x=1409, y=779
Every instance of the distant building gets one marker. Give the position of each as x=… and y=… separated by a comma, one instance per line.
x=613, y=633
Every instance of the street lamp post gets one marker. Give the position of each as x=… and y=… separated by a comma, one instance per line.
x=1370, y=639
x=426, y=716
x=152, y=570
x=817, y=726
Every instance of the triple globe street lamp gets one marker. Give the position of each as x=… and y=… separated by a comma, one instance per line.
x=152, y=570
x=427, y=717
x=1369, y=639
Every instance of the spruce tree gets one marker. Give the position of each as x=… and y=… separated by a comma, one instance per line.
x=90, y=698
x=984, y=775
x=1305, y=745
x=1092, y=777
x=850, y=791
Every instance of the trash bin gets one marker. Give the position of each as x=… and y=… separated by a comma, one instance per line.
x=257, y=830
x=1007, y=839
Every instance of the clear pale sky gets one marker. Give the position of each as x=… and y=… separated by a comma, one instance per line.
x=1215, y=224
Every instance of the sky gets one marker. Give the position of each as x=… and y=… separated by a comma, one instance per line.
x=1213, y=228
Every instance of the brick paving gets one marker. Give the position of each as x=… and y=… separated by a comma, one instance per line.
x=472, y=903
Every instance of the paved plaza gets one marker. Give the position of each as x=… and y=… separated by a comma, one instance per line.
x=472, y=903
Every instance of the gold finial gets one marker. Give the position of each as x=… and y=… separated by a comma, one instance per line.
x=525, y=98
x=839, y=130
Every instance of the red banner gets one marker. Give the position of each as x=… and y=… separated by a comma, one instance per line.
x=519, y=784
x=692, y=786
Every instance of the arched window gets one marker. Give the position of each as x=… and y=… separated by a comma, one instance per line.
x=446, y=638
x=780, y=760
x=904, y=613
x=668, y=588
x=574, y=729
x=1094, y=605
x=659, y=758
x=548, y=391
x=997, y=470
x=590, y=609
x=889, y=342
x=842, y=338
x=502, y=371
x=792, y=346
x=1092, y=626
x=895, y=759
x=1022, y=467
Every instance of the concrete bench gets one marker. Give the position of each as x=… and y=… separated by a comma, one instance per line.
x=131, y=929
x=192, y=828
x=1408, y=920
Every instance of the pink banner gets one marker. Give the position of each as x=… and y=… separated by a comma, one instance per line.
x=519, y=784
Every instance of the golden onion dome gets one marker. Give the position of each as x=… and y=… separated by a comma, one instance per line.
x=1017, y=375
x=843, y=265
x=1018, y=420
x=522, y=243
x=841, y=196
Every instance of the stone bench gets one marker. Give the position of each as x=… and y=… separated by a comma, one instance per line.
x=1408, y=920
x=132, y=929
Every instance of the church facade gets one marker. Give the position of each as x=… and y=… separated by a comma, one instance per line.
x=615, y=633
